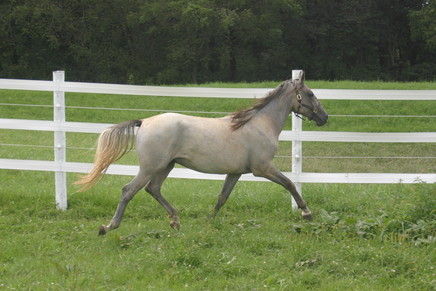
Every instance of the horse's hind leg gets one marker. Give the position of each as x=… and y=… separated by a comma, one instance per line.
x=154, y=188
x=127, y=194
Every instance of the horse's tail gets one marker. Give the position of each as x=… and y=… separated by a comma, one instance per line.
x=112, y=144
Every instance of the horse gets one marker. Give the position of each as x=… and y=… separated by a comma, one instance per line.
x=242, y=142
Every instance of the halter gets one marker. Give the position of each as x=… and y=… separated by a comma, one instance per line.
x=301, y=104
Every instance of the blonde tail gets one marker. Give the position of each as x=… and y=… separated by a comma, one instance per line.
x=112, y=144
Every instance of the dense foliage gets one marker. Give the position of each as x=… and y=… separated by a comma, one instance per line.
x=179, y=41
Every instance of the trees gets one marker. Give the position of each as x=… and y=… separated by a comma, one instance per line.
x=423, y=36
x=179, y=41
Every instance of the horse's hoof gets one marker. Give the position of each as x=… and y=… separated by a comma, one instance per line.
x=307, y=215
x=102, y=230
x=175, y=224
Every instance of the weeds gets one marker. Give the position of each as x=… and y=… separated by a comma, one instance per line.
x=381, y=227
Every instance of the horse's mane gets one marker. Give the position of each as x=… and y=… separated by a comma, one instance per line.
x=241, y=117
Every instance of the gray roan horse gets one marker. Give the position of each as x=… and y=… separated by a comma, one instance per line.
x=243, y=142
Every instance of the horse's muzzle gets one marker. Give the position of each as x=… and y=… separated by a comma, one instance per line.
x=320, y=119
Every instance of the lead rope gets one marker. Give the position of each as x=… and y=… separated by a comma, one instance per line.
x=299, y=116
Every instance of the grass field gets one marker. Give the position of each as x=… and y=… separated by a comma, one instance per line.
x=369, y=237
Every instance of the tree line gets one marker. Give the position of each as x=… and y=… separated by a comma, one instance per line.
x=181, y=41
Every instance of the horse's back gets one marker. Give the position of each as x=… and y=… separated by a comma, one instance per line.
x=174, y=123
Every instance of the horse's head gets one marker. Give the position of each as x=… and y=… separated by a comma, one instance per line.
x=305, y=103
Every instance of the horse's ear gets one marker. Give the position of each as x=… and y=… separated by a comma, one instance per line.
x=301, y=77
x=298, y=76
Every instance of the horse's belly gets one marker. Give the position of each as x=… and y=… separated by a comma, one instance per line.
x=208, y=160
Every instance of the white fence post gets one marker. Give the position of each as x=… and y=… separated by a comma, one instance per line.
x=59, y=140
x=297, y=149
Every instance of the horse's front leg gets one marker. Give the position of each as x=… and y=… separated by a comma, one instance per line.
x=274, y=175
x=225, y=192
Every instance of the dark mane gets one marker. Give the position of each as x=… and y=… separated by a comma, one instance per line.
x=243, y=116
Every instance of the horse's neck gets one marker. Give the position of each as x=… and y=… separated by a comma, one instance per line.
x=276, y=113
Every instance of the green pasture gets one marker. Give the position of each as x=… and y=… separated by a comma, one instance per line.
x=366, y=237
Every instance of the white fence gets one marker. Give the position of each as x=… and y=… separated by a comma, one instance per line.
x=60, y=166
